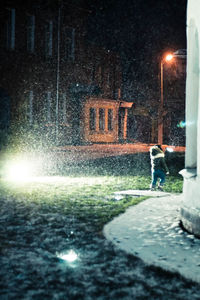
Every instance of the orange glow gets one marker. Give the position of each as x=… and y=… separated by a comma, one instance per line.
x=168, y=57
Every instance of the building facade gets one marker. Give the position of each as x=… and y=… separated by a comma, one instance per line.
x=49, y=72
x=174, y=99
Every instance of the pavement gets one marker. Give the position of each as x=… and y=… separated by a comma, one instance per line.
x=151, y=231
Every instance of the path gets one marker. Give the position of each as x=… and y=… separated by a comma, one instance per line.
x=151, y=231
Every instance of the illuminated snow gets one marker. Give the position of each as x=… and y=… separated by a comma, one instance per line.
x=69, y=256
x=169, y=149
x=19, y=170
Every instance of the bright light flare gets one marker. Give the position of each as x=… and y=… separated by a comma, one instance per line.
x=118, y=197
x=169, y=149
x=67, y=180
x=69, y=256
x=20, y=170
x=168, y=57
x=181, y=124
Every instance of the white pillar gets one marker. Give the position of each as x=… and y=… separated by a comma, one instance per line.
x=192, y=90
x=190, y=208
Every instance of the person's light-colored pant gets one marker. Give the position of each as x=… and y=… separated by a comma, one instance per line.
x=156, y=174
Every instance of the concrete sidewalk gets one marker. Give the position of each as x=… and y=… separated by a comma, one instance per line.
x=151, y=231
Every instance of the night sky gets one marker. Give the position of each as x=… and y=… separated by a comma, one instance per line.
x=140, y=31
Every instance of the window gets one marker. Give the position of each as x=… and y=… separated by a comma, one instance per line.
x=108, y=78
x=101, y=119
x=102, y=75
x=49, y=39
x=62, y=109
x=99, y=74
x=31, y=34
x=92, y=118
x=49, y=107
x=30, y=107
x=93, y=72
x=10, y=27
x=110, y=119
x=69, y=44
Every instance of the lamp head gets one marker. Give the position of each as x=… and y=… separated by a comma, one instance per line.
x=169, y=57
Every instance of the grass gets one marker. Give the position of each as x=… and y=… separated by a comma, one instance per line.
x=86, y=191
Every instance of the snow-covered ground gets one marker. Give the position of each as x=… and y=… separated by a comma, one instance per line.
x=32, y=241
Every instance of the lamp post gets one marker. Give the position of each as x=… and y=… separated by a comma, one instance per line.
x=167, y=58
x=58, y=70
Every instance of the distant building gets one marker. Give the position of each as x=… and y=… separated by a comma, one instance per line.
x=49, y=75
x=174, y=99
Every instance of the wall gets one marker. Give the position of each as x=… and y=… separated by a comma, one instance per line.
x=46, y=89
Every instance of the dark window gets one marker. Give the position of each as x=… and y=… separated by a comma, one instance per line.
x=110, y=119
x=30, y=109
x=49, y=39
x=69, y=44
x=92, y=119
x=49, y=108
x=101, y=119
x=10, y=43
x=31, y=34
x=62, y=108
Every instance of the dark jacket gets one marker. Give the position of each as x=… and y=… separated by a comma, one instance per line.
x=158, y=159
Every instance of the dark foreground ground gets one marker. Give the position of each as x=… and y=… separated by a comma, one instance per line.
x=31, y=237
x=30, y=268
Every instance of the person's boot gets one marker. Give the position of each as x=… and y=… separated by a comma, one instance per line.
x=152, y=188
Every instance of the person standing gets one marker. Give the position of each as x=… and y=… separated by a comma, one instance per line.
x=159, y=167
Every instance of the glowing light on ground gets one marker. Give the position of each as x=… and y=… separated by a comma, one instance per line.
x=19, y=170
x=69, y=256
x=118, y=197
x=32, y=169
x=24, y=175
x=169, y=149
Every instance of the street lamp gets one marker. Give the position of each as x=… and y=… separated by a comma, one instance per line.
x=167, y=58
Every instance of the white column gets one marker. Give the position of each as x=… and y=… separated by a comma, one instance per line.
x=192, y=94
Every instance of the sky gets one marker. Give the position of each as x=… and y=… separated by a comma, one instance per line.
x=140, y=31
x=144, y=24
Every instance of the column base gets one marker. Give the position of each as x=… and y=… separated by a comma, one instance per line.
x=190, y=219
x=190, y=208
